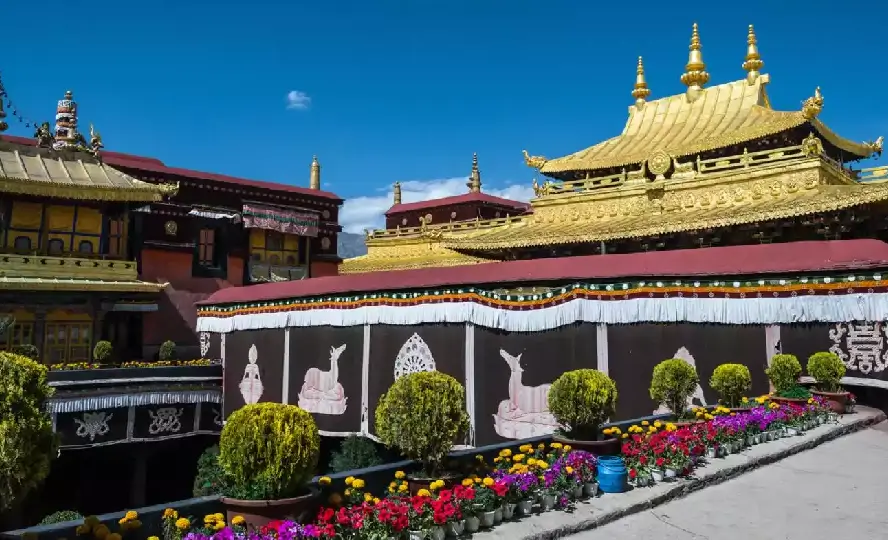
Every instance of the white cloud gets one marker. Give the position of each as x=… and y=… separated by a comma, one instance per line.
x=367, y=212
x=297, y=99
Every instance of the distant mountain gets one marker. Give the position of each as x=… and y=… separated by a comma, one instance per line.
x=351, y=245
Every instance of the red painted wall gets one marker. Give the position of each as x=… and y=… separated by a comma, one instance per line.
x=176, y=317
x=323, y=268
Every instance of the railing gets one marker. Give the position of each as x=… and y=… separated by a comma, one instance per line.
x=45, y=266
x=450, y=227
x=266, y=273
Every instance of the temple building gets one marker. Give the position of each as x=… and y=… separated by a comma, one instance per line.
x=712, y=166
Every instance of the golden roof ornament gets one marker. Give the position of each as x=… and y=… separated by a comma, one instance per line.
x=695, y=75
x=534, y=162
x=641, y=90
x=474, y=183
x=397, y=192
x=314, y=181
x=876, y=146
x=753, y=63
x=812, y=106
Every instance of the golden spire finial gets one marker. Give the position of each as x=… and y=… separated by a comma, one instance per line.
x=474, y=183
x=641, y=90
x=315, y=178
x=695, y=75
x=754, y=63
x=812, y=106
x=397, y=192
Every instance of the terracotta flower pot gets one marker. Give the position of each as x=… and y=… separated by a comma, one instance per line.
x=605, y=447
x=416, y=483
x=797, y=401
x=837, y=401
x=261, y=513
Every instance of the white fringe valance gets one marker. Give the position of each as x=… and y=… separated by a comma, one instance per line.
x=798, y=309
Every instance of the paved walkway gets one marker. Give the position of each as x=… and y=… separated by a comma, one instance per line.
x=835, y=491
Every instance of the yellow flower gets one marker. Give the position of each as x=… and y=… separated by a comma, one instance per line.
x=467, y=482
x=424, y=493
x=349, y=480
x=368, y=497
x=183, y=523
x=497, y=459
x=335, y=499
x=168, y=513
x=810, y=401
x=358, y=484
x=567, y=448
x=393, y=485
x=324, y=481
x=348, y=492
x=114, y=536
x=658, y=424
x=569, y=469
x=541, y=446
x=518, y=457
x=645, y=423
x=237, y=520
x=488, y=481
x=607, y=431
x=542, y=465
x=733, y=414
x=132, y=514
x=82, y=530
x=525, y=448
x=219, y=525
x=153, y=538
x=670, y=427
x=708, y=417
x=616, y=430
x=624, y=436
x=556, y=445
x=438, y=484
x=399, y=474
x=531, y=461
x=375, y=500
x=402, y=488
x=101, y=532
x=505, y=452
x=744, y=400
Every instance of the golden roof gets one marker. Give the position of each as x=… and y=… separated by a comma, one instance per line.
x=723, y=115
x=405, y=253
x=72, y=179
x=92, y=285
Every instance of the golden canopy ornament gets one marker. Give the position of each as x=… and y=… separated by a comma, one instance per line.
x=812, y=106
x=659, y=163
x=534, y=162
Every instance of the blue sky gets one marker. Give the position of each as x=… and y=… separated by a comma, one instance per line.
x=407, y=90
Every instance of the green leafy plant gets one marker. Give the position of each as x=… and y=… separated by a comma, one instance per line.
x=673, y=382
x=27, y=350
x=795, y=392
x=60, y=517
x=210, y=478
x=581, y=400
x=355, y=453
x=731, y=381
x=268, y=451
x=167, y=351
x=27, y=442
x=423, y=415
x=827, y=369
x=102, y=352
x=784, y=372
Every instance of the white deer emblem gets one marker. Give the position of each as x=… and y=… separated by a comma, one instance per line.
x=326, y=381
x=529, y=399
x=321, y=392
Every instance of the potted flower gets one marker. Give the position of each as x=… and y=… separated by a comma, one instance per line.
x=268, y=453
x=731, y=381
x=486, y=502
x=584, y=466
x=423, y=415
x=464, y=496
x=784, y=373
x=828, y=369
x=582, y=400
x=673, y=382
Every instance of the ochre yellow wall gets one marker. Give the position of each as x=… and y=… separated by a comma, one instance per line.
x=59, y=223
x=25, y=215
x=257, y=246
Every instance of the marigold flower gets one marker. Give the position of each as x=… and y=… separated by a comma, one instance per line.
x=505, y=452
x=368, y=497
x=132, y=514
x=556, y=445
x=348, y=492
x=467, y=482
x=645, y=423
x=567, y=448
x=350, y=480
x=324, y=481
x=624, y=436
x=400, y=474
x=402, y=488
x=183, y=523
x=170, y=513
x=518, y=457
x=424, y=493
x=237, y=520
x=375, y=500
x=488, y=481
x=569, y=469
x=153, y=538
x=358, y=484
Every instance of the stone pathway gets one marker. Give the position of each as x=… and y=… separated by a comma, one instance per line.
x=775, y=501
x=836, y=490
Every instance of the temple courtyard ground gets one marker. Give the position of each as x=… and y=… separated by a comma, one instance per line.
x=836, y=490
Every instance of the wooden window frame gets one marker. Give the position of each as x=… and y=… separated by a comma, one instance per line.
x=217, y=265
x=50, y=346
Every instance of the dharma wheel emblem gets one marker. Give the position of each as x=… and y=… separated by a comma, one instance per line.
x=659, y=163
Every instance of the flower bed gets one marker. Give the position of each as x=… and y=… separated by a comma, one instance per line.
x=75, y=366
x=531, y=478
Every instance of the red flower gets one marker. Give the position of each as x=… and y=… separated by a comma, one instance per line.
x=632, y=473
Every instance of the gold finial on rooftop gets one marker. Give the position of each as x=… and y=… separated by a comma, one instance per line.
x=315, y=178
x=474, y=183
x=754, y=63
x=695, y=75
x=397, y=192
x=812, y=106
x=641, y=90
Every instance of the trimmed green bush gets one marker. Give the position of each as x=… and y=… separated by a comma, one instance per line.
x=582, y=400
x=28, y=351
x=731, y=381
x=167, y=351
x=210, y=479
x=268, y=451
x=355, y=453
x=27, y=443
x=673, y=382
x=827, y=369
x=102, y=352
x=423, y=415
x=784, y=372
x=60, y=517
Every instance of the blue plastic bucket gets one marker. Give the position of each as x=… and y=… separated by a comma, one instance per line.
x=612, y=474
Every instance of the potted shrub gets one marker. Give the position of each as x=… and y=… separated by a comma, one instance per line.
x=582, y=400
x=167, y=351
x=673, y=382
x=784, y=375
x=423, y=415
x=102, y=352
x=24, y=425
x=731, y=382
x=268, y=453
x=828, y=369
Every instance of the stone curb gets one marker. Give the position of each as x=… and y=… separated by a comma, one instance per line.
x=693, y=484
